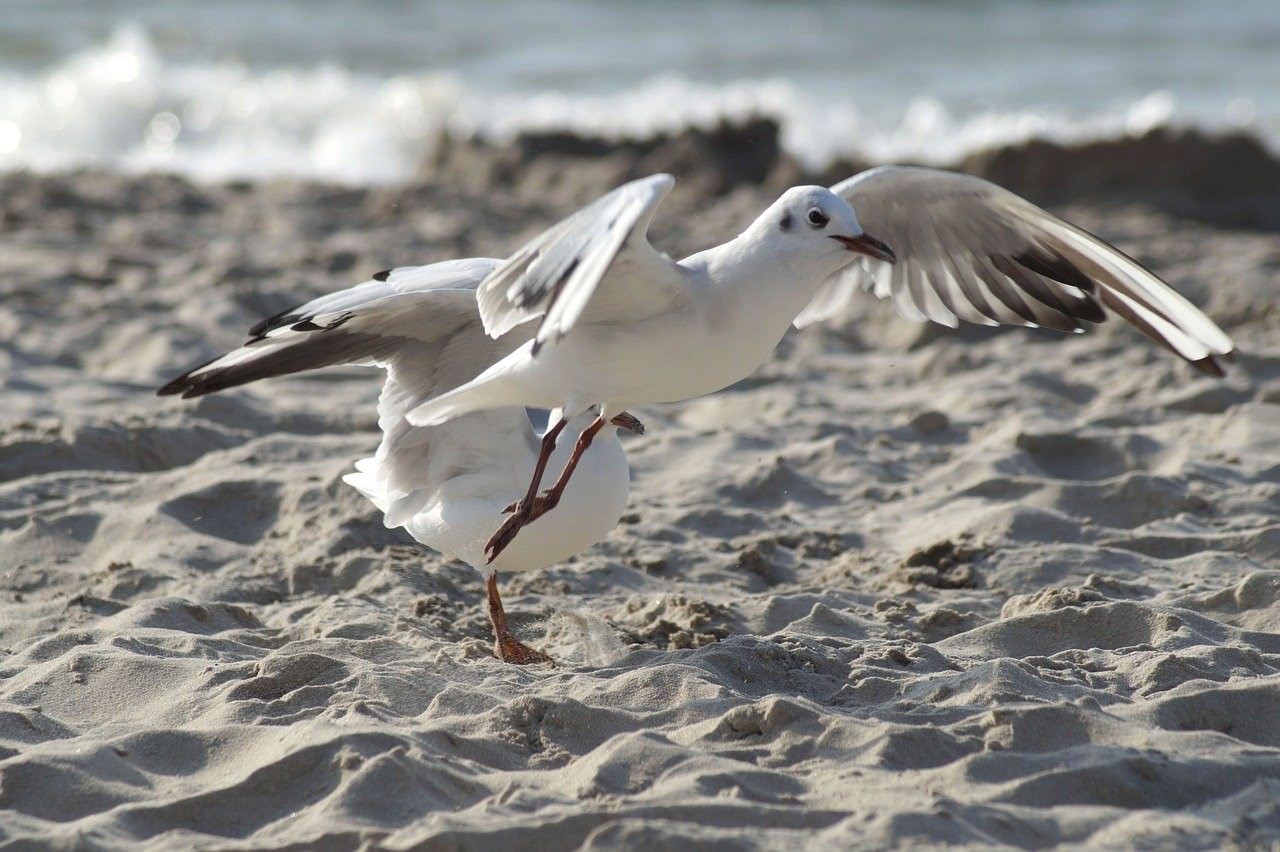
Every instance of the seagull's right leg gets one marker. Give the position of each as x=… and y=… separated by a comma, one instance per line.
x=508, y=648
x=544, y=455
x=549, y=499
x=522, y=510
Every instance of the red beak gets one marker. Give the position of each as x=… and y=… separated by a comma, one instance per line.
x=868, y=245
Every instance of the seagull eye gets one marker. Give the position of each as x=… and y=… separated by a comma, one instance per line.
x=817, y=218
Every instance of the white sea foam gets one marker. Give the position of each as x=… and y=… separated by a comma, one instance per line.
x=121, y=103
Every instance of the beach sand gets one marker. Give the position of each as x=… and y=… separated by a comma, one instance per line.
x=905, y=585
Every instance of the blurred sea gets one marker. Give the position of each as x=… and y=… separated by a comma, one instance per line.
x=355, y=91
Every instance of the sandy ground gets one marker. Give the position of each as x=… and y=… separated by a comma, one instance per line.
x=835, y=616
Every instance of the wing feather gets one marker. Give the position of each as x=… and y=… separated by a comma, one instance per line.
x=969, y=250
x=596, y=264
x=422, y=325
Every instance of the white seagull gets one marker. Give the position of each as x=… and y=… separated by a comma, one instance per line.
x=444, y=484
x=624, y=325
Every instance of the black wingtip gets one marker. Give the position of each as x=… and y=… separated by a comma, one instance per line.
x=172, y=387
x=1210, y=366
x=1056, y=268
x=181, y=385
x=271, y=323
x=382, y=276
x=184, y=385
x=188, y=384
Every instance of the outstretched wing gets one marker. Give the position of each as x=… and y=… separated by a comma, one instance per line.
x=376, y=322
x=597, y=265
x=970, y=250
x=419, y=323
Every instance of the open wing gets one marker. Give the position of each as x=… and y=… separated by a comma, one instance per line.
x=422, y=309
x=970, y=250
x=597, y=265
x=420, y=324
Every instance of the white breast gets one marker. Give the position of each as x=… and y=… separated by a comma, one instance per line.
x=468, y=508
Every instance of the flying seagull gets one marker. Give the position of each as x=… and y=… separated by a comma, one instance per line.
x=444, y=484
x=624, y=325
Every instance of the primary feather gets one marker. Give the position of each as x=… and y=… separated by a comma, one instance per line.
x=421, y=325
x=970, y=250
x=596, y=263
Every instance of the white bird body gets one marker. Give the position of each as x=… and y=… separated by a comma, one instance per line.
x=660, y=360
x=722, y=312
x=628, y=326
x=446, y=485
x=459, y=515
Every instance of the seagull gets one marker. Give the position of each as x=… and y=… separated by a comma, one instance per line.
x=443, y=484
x=623, y=325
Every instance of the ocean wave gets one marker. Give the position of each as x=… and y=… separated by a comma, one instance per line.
x=123, y=104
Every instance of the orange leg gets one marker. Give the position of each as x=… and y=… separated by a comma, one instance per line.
x=531, y=508
x=508, y=648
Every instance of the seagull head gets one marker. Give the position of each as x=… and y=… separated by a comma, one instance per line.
x=816, y=221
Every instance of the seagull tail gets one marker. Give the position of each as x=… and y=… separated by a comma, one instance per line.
x=365, y=480
x=372, y=478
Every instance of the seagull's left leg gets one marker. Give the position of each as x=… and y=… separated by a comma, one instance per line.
x=529, y=510
x=549, y=499
x=520, y=510
x=508, y=648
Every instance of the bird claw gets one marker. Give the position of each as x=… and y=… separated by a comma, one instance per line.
x=628, y=421
x=543, y=503
x=506, y=533
x=511, y=650
x=522, y=514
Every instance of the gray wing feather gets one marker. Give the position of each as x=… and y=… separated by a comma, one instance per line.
x=422, y=325
x=596, y=263
x=369, y=323
x=970, y=250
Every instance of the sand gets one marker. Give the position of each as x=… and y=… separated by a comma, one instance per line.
x=904, y=586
